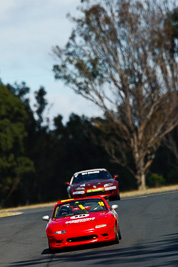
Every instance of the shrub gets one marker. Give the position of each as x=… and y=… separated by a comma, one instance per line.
x=155, y=180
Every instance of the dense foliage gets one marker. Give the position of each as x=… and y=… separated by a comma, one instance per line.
x=13, y=162
x=36, y=161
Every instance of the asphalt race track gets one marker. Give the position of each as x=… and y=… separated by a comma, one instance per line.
x=149, y=227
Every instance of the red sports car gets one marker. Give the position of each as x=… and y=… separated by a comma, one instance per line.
x=82, y=221
x=93, y=182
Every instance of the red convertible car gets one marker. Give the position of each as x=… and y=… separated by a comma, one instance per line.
x=82, y=221
x=92, y=183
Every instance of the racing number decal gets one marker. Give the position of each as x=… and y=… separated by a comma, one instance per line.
x=101, y=203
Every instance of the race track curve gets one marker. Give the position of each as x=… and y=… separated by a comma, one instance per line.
x=149, y=227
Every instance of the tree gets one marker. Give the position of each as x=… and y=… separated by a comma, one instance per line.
x=171, y=142
x=174, y=25
x=13, y=163
x=118, y=56
x=41, y=104
x=38, y=146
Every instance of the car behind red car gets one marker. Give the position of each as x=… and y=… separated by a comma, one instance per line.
x=82, y=221
x=93, y=182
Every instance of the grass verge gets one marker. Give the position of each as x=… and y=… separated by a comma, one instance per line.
x=149, y=191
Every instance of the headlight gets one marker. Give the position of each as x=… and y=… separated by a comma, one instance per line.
x=110, y=188
x=100, y=225
x=60, y=232
x=109, y=184
x=78, y=192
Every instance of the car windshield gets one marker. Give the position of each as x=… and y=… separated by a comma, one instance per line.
x=83, y=206
x=90, y=175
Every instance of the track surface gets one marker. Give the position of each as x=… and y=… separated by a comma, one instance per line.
x=149, y=227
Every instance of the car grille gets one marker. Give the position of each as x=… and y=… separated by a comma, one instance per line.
x=82, y=238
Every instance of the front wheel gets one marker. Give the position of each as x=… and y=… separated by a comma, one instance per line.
x=116, y=235
x=117, y=197
x=119, y=232
x=51, y=250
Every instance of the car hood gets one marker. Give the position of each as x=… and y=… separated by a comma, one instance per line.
x=82, y=221
x=90, y=184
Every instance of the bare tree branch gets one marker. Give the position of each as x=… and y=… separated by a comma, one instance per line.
x=118, y=56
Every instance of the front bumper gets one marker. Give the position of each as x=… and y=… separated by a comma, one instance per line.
x=69, y=239
x=96, y=192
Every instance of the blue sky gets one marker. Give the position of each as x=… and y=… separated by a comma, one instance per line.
x=28, y=31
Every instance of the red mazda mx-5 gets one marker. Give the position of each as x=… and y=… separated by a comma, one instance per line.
x=93, y=182
x=82, y=221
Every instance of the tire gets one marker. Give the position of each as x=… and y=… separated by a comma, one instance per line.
x=117, y=197
x=119, y=232
x=50, y=249
x=116, y=241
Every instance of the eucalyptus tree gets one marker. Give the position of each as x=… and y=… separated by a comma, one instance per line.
x=118, y=56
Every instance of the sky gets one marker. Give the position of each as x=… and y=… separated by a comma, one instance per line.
x=28, y=31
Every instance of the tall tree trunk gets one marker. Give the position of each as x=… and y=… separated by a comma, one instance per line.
x=141, y=181
x=140, y=170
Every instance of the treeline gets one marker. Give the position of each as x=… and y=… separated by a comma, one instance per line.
x=36, y=159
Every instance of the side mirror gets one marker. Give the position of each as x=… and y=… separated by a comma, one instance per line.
x=45, y=218
x=114, y=207
x=67, y=183
x=115, y=176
